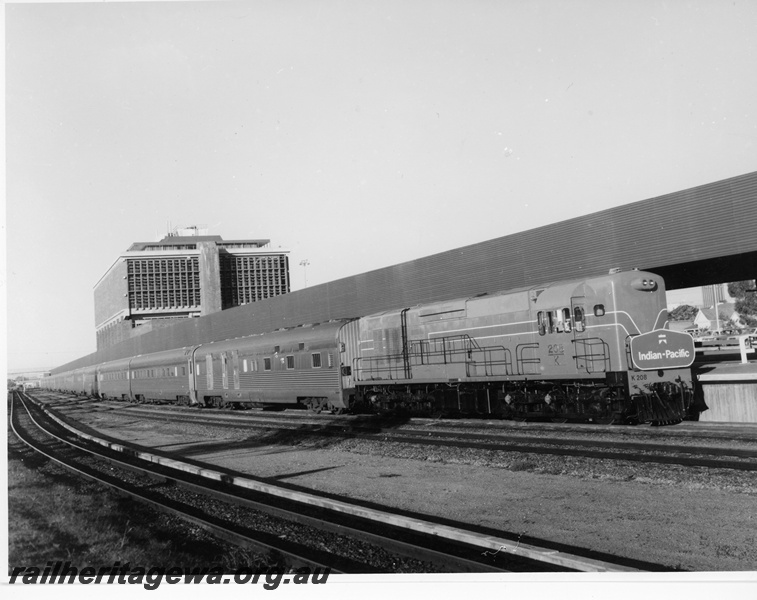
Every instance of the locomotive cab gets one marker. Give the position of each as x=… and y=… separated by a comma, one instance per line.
x=654, y=371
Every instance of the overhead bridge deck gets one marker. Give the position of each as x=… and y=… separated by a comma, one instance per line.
x=699, y=236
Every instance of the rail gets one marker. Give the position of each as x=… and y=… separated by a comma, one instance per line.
x=231, y=535
x=437, y=534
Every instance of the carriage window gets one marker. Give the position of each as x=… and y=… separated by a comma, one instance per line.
x=244, y=365
x=301, y=346
x=266, y=364
x=599, y=310
x=290, y=362
x=316, y=360
x=578, y=318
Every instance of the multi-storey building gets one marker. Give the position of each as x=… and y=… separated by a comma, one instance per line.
x=186, y=274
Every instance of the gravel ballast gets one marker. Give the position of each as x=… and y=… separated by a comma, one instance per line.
x=684, y=518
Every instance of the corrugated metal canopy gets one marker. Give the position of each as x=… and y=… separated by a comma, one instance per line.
x=699, y=236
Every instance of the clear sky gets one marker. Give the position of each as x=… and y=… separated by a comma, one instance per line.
x=356, y=134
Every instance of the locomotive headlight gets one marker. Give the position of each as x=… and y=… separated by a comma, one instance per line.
x=645, y=285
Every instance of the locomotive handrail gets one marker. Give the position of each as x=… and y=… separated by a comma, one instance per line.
x=458, y=349
x=521, y=361
x=590, y=356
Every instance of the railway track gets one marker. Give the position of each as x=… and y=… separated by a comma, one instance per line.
x=449, y=434
x=435, y=546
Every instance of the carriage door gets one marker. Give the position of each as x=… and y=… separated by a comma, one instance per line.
x=235, y=368
x=578, y=314
x=191, y=375
x=348, y=341
x=209, y=371
x=224, y=371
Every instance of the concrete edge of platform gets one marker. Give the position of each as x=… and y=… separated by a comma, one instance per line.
x=727, y=377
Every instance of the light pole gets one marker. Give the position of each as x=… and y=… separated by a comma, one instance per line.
x=717, y=318
x=305, y=264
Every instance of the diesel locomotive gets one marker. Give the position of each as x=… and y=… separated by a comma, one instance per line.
x=593, y=350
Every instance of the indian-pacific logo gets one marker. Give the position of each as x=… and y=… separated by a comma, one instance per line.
x=662, y=349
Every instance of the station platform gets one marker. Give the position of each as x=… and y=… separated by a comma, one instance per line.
x=730, y=392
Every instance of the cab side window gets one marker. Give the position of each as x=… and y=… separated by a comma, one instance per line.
x=578, y=318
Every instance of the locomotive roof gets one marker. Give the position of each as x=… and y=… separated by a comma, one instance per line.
x=519, y=290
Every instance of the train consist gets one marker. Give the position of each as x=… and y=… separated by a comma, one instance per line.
x=592, y=350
